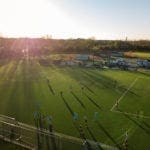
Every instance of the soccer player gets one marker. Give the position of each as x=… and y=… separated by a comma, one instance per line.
x=96, y=115
x=75, y=116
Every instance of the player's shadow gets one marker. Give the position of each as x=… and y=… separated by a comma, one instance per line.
x=67, y=105
x=91, y=134
x=50, y=87
x=76, y=97
x=146, y=124
x=89, y=89
x=129, y=91
x=94, y=138
x=108, y=135
x=101, y=79
x=135, y=122
x=71, y=112
x=144, y=73
x=91, y=100
x=107, y=82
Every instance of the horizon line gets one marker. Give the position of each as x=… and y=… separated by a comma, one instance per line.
x=74, y=38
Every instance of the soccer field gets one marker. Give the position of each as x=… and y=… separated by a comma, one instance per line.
x=63, y=91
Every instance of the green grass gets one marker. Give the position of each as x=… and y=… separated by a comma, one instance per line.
x=23, y=84
x=142, y=55
x=138, y=54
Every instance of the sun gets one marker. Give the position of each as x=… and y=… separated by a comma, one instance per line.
x=37, y=18
x=33, y=18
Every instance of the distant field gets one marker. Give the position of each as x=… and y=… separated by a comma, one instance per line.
x=138, y=54
x=23, y=85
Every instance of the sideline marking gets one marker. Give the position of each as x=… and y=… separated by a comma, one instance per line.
x=124, y=94
x=121, y=97
x=131, y=114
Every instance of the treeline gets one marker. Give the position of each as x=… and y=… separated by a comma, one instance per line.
x=14, y=47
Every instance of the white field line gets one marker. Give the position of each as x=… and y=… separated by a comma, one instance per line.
x=130, y=132
x=131, y=114
x=122, y=135
x=123, y=95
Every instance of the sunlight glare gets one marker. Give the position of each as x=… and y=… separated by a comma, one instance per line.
x=33, y=18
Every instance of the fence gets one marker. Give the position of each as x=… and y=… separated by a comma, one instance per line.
x=32, y=138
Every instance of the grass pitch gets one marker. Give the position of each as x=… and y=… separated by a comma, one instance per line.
x=24, y=84
x=144, y=55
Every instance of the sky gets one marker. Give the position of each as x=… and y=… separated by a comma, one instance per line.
x=102, y=19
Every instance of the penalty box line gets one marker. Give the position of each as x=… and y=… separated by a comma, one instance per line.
x=127, y=131
x=131, y=114
x=124, y=94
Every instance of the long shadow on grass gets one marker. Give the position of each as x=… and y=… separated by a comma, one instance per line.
x=67, y=105
x=94, y=138
x=71, y=112
x=87, y=144
x=106, y=82
x=4, y=71
x=146, y=124
x=93, y=76
x=144, y=73
x=10, y=75
x=75, y=96
x=50, y=87
x=12, y=70
x=91, y=100
x=78, y=75
x=109, y=136
x=135, y=122
x=91, y=134
x=89, y=89
x=123, y=88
